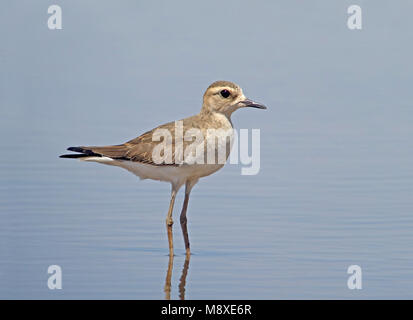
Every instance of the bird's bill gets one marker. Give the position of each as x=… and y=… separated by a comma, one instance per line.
x=249, y=103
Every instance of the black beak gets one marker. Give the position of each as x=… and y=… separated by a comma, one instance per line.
x=252, y=104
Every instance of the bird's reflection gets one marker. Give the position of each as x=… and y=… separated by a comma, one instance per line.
x=167, y=288
x=182, y=279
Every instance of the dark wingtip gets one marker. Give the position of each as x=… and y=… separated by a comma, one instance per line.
x=76, y=149
x=82, y=153
x=73, y=156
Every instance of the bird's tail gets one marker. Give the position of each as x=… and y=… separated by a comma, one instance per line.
x=83, y=153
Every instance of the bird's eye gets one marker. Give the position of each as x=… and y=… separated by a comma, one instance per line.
x=225, y=93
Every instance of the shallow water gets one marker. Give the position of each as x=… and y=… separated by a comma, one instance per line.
x=335, y=186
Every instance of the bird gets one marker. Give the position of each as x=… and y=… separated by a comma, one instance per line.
x=158, y=154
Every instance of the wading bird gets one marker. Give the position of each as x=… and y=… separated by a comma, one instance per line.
x=142, y=155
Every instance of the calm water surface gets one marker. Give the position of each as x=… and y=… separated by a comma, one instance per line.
x=335, y=186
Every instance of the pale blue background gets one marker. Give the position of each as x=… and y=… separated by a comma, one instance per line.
x=336, y=180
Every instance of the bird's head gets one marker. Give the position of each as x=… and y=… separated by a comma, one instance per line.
x=225, y=97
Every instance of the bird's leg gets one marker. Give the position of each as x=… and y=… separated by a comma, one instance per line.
x=169, y=223
x=182, y=280
x=183, y=219
x=184, y=227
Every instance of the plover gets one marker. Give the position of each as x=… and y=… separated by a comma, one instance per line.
x=142, y=155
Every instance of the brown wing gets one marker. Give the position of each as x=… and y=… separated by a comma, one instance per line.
x=139, y=149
